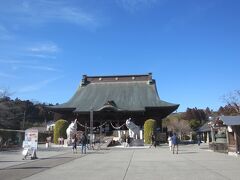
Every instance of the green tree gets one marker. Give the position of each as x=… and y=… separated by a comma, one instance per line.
x=177, y=124
x=194, y=124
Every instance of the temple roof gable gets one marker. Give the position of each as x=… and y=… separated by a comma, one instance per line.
x=117, y=93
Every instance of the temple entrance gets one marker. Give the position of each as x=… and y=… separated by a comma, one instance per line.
x=102, y=104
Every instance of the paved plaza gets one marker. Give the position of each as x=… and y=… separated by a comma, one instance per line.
x=191, y=163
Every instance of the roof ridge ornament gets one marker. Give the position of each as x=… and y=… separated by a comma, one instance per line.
x=110, y=105
x=84, y=80
x=151, y=81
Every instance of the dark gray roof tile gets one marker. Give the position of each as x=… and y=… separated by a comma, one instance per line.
x=125, y=96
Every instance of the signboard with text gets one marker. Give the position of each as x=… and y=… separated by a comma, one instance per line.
x=31, y=139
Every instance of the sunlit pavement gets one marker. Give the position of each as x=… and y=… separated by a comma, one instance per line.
x=192, y=162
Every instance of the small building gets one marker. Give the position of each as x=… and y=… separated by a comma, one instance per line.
x=233, y=133
x=50, y=126
x=205, y=131
x=223, y=134
x=111, y=100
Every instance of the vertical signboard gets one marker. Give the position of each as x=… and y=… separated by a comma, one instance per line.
x=31, y=139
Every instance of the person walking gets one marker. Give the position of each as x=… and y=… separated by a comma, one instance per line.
x=153, y=141
x=175, y=142
x=84, y=143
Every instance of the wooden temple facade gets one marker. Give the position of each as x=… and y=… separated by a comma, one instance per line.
x=113, y=99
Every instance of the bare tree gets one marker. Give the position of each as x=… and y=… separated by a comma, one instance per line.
x=5, y=92
x=176, y=124
x=181, y=126
x=233, y=100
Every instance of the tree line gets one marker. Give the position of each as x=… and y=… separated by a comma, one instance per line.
x=21, y=114
x=193, y=118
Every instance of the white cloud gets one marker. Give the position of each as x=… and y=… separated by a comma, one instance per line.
x=4, y=33
x=15, y=65
x=37, y=86
x=18, y=63
x=5, y=61
x=47, y=11
x=44, y=68
x=7, y=75
x=136, y=5
x=42, y=56
x=48, y=47
x=73, y=15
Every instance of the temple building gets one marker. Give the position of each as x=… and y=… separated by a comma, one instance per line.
x=110, y=100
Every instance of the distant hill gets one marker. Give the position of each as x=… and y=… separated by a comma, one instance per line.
x=18, y=114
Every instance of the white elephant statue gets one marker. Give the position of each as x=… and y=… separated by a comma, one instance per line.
x=71, y=130
x=134, y=130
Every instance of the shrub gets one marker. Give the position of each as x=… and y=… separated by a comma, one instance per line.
x=9, y=138
x=149, y=129
x=60, y=129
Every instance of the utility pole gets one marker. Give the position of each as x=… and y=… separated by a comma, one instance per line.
x=85, y=127
x=23, y=126
x=24, y=118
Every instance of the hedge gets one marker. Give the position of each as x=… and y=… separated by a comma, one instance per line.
x=149, y=129
x=60, y=129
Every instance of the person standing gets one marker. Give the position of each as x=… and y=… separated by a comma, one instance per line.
x=128, y=141
x=74, y=143
x=198, y=139
x=124, y=140
x=175, y=142
x=84, y=143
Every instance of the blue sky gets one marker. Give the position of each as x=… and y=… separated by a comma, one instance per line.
x=191, y=47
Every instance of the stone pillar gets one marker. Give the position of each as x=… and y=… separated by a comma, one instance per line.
x=208, y=138
x=236, y=142
x=212, y=134
x=141, y=134
x=119, y=133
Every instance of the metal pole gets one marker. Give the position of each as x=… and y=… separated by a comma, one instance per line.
x=91, y=128
x=100, y=138
x=21, y=134
x=85, y=129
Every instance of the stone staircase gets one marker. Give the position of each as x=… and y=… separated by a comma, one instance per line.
x=137, y=142
x=104, y=143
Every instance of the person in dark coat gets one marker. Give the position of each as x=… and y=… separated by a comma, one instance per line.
x=175, y=142
x=153, y=138
x=84, y=143
x=198, y=139
x=74, y=143
x=128, y=139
